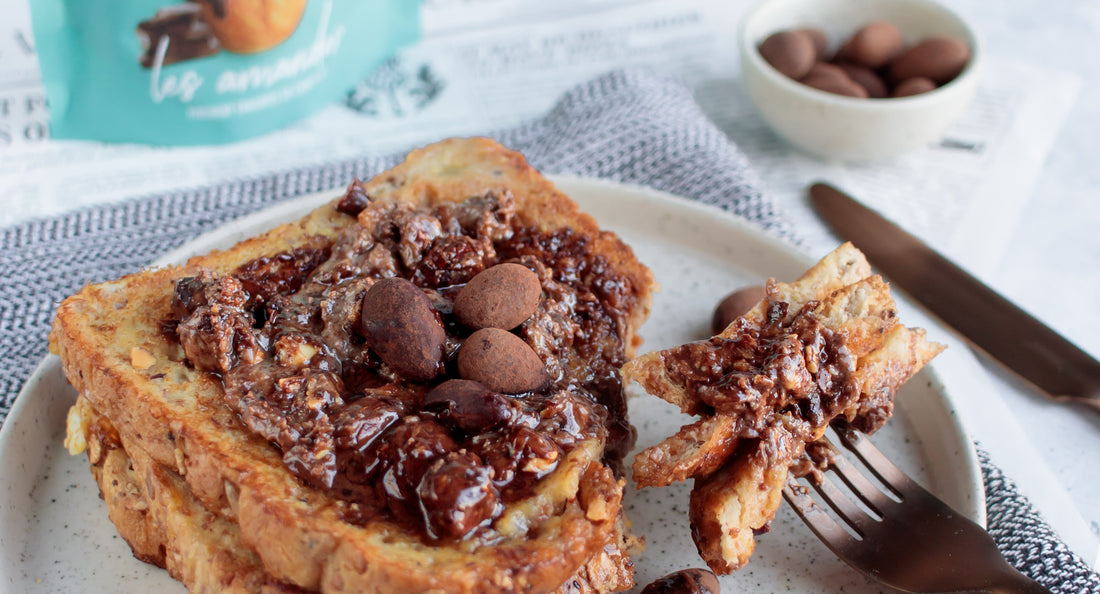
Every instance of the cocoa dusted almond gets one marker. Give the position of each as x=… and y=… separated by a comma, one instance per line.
x=837, y=85
x=827, y=70
x=502, y=296
x=818, y=38
x=685, y=581
x=502, y=362
x=939, y=59
x=789, y=52
x=403, y=328
x=866, y=78
x=913, y=86
x=873, y=45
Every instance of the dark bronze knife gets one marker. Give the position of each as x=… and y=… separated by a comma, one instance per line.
x=1004, y=331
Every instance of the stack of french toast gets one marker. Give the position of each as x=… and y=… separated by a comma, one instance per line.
x=306, y=410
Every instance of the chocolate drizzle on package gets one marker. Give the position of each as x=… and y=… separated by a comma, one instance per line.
x=419, y=444
x=179, y=33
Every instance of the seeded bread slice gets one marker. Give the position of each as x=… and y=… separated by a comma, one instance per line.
x=153, y=510
x=113, y=351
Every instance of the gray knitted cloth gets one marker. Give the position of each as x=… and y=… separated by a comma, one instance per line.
x=627, y=126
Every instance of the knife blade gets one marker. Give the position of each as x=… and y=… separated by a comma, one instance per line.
x=1000, y=328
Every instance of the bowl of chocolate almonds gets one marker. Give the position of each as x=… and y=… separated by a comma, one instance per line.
x=858, y=80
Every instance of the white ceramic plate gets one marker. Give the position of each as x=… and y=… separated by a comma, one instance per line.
x=54, y=531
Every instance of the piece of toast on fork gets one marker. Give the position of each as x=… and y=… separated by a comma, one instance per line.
x=827, y=346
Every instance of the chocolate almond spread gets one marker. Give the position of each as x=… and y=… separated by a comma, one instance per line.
x=792, y=367
x=286, y=337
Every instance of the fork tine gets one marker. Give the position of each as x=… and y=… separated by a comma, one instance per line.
x=824, y=526
x=919, y=545
x=869, y=493
x=844, y=507
x=874, y=460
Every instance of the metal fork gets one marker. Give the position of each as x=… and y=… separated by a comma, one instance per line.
x=916, y=544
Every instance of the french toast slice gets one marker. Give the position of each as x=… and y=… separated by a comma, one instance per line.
x=825, y=347
x=121, y=348
x=155, y=512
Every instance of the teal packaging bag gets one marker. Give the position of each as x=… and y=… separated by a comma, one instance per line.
x=171, y=72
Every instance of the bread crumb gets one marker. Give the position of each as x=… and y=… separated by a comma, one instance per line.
x=141, y=358
x=75, y=430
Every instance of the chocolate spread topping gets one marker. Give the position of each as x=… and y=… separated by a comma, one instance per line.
x=782, y=382
x=283, y=334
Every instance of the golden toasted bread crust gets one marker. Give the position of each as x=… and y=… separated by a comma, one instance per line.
x=114, y=353
x=698, y=449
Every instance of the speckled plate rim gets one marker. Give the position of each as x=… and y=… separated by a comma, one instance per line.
x=937, y=417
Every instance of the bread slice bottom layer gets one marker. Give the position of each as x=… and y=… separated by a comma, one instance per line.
x=156, y=514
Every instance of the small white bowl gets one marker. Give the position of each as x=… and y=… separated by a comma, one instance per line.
x=840, y=128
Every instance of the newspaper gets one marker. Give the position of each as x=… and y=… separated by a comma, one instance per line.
x=487, y=64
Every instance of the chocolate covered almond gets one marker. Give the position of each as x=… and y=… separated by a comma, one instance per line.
x=502, y=362
x=502, y=296
x=403, y=328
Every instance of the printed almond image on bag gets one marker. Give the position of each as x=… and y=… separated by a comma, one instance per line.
x=206, y=71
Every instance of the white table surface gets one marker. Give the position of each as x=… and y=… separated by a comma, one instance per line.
x=1052, y=266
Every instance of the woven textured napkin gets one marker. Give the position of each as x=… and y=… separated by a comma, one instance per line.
x=627, y=126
